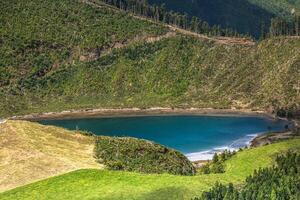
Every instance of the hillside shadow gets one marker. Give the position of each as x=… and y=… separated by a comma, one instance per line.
x=237, y=14
x=167, y=193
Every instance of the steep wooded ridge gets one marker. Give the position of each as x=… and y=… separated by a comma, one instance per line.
x=62, y=55
x=245, y=16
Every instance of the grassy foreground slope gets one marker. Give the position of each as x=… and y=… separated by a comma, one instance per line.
x=103, y=184
x=31, y=152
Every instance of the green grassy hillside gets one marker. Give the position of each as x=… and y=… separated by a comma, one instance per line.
x=246, y=16
x=102, y=184
x=39, y=36
x=62, y=55
x=179, y=71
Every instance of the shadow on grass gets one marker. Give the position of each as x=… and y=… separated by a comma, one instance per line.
x=166, y=193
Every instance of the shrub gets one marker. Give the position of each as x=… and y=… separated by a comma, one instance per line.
x=217, y=164
x=131, y=154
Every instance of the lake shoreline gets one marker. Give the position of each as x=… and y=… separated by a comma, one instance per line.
x=133, y=112
x=155, y=111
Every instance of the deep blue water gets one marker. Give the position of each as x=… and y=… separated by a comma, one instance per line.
x=188, y=134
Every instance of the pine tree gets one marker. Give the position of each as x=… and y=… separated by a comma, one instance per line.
x=263, y=31
x=215, y=158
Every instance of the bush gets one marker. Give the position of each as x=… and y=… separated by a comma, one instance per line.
x=131, y=154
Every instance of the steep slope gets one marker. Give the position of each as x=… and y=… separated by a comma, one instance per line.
x=178, y=71
x=62, y=55
x=103, y=184
x=279, y=7
x=37, y=36
x=246, y=16
x=30, y=152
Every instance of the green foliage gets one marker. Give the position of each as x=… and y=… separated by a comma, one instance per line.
x=116, y=185
x=38, y=37
x=41, y=70
x=217, y=165
x=131, y=154
x=178, y=72
x=281, y=8
x=280, y=26
x=278, y=182
x=160, y=14
x=291, y=112
x=245, y=16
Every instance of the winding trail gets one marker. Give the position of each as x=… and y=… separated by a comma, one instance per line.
x=220, y=40
x=173, y=31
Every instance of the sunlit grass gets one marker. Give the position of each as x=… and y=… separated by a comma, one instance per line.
x=103, y=184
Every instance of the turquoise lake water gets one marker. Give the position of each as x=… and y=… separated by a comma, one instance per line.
x=198, y=137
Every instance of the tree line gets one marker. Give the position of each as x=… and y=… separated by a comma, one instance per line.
x=281, y=181
x=278, y=27
x=282, y=27
x=159, y=13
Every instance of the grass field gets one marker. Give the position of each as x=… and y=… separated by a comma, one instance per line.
x=30, y=152
x=104, y=184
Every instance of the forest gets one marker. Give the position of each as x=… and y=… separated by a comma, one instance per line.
x=282, y=27
x=279, y=26
x=245, y=16
x=159, y=13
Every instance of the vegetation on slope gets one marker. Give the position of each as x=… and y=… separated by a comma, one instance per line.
x=217, y=164
x=31, y=152
x=281, y=181
x=279, y=7
x=42, y=70
x=180, y=71
x=246, y=16
x=280, y=27
x=131, y=154
x=160, y=14
x=103, y=184
x=39, y=36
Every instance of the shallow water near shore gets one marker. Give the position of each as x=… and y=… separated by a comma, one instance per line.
x=198, y=137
